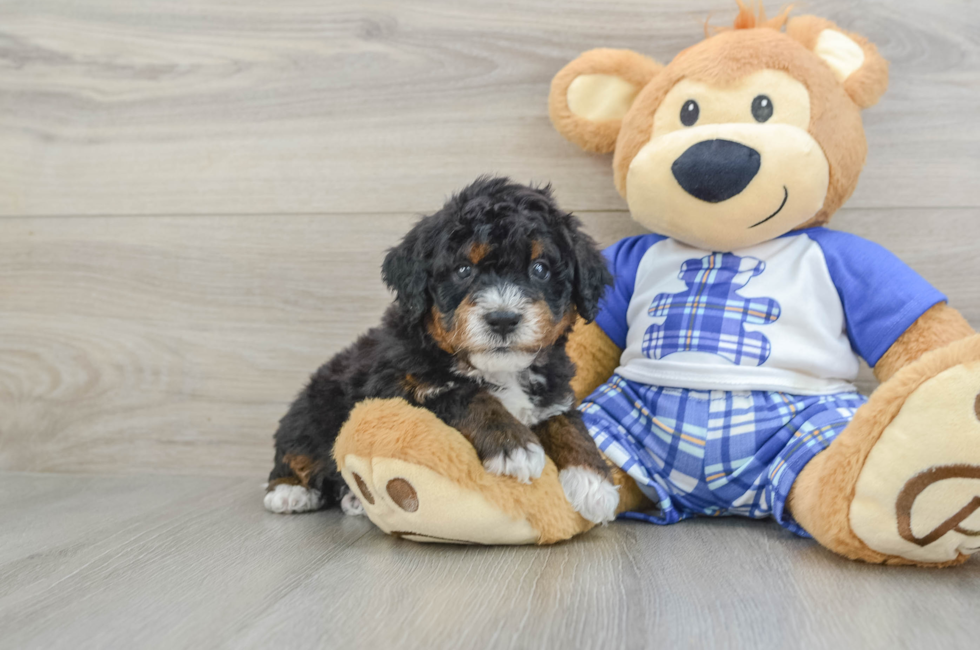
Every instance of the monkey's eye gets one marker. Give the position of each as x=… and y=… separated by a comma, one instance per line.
x=690, y=112
x=761, y=108
x=464, y=271
x=540, y=270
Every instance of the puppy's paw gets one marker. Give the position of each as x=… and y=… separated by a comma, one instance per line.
x=286, y=499
x=591, y=495
x=351, y=505
x=523, y=463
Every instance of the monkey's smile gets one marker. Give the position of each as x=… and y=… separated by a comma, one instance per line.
x=781, y=206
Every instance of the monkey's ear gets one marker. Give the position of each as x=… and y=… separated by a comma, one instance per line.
x=405, y=271
x=590, y=95
x=854, y=60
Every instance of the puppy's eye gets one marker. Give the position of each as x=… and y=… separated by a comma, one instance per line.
x=761, y=108
x=464, y=271
x=540, y=270
x=690, y=112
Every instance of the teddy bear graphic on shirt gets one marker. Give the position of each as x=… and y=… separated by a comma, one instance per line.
x=710, y=315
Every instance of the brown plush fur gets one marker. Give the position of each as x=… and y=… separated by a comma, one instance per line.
x=755, y=43
x=822, y=494
x=746, y=19
x=868, y=83
x=595, y=357
x=395, y=429
x=598, y=137
x=934, y=329
x=835, y=121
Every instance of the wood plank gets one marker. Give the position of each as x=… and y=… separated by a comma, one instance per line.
x=148, y=562
x=247, y=107
x=174, y=344
x=167, y=562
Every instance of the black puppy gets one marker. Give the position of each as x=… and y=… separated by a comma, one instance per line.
x=487, y=290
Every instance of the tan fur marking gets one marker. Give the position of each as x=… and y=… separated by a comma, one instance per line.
x=536, y=249
x=488, y=422
x=420, y=390
x=302, y=466
x=286, y=480
x=410, y=384
x=560, y=327
x=568, y=444
x=478, y=252
x=437, y=330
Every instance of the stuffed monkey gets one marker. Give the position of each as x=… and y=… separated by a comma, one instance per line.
x=717, y=378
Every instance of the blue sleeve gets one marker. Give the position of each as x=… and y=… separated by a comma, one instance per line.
x=623, y=258
x=881, y=295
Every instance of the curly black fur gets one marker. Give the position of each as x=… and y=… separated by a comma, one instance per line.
x=500, y=230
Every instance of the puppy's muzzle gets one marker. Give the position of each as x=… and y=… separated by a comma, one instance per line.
x=501, y=322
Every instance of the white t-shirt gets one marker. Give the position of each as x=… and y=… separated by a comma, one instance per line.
x=792, y=314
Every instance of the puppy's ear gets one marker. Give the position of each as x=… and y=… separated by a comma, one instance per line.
x=854, y=60
x=590, y=95
x=405, y=271
x=592, y=275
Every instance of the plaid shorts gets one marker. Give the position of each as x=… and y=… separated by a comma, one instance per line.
x=713, y=453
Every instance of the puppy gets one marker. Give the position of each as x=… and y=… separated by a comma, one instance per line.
x=487, y=290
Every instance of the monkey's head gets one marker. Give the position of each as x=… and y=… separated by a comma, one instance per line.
x=749, y=134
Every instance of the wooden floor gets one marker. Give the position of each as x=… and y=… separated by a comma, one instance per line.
x=179, y=562
x=195, y=197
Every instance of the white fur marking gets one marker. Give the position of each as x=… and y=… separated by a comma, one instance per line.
x=286, y=499
x=425, y=393
x=508, y=297
x=591, y=495
x=523, y=464
x=500, y=363
x=351, y=505
x=510, y=386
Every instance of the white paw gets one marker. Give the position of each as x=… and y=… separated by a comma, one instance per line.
x=523, y=464
x=591, y=495
x=291, y=498
x=351, y=505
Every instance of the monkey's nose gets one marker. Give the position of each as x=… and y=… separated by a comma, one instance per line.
x=502, y=323
x=716, y=170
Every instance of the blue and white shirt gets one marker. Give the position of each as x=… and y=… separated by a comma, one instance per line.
x=792, y=314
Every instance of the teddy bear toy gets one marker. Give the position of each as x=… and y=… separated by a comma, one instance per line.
x=717, y=377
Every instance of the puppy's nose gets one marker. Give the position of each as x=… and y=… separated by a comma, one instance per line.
x=716, y=170
x=502, y=322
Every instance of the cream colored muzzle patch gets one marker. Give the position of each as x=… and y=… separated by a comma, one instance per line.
x=918, y=495
x=416, y=503
x=788, y=189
